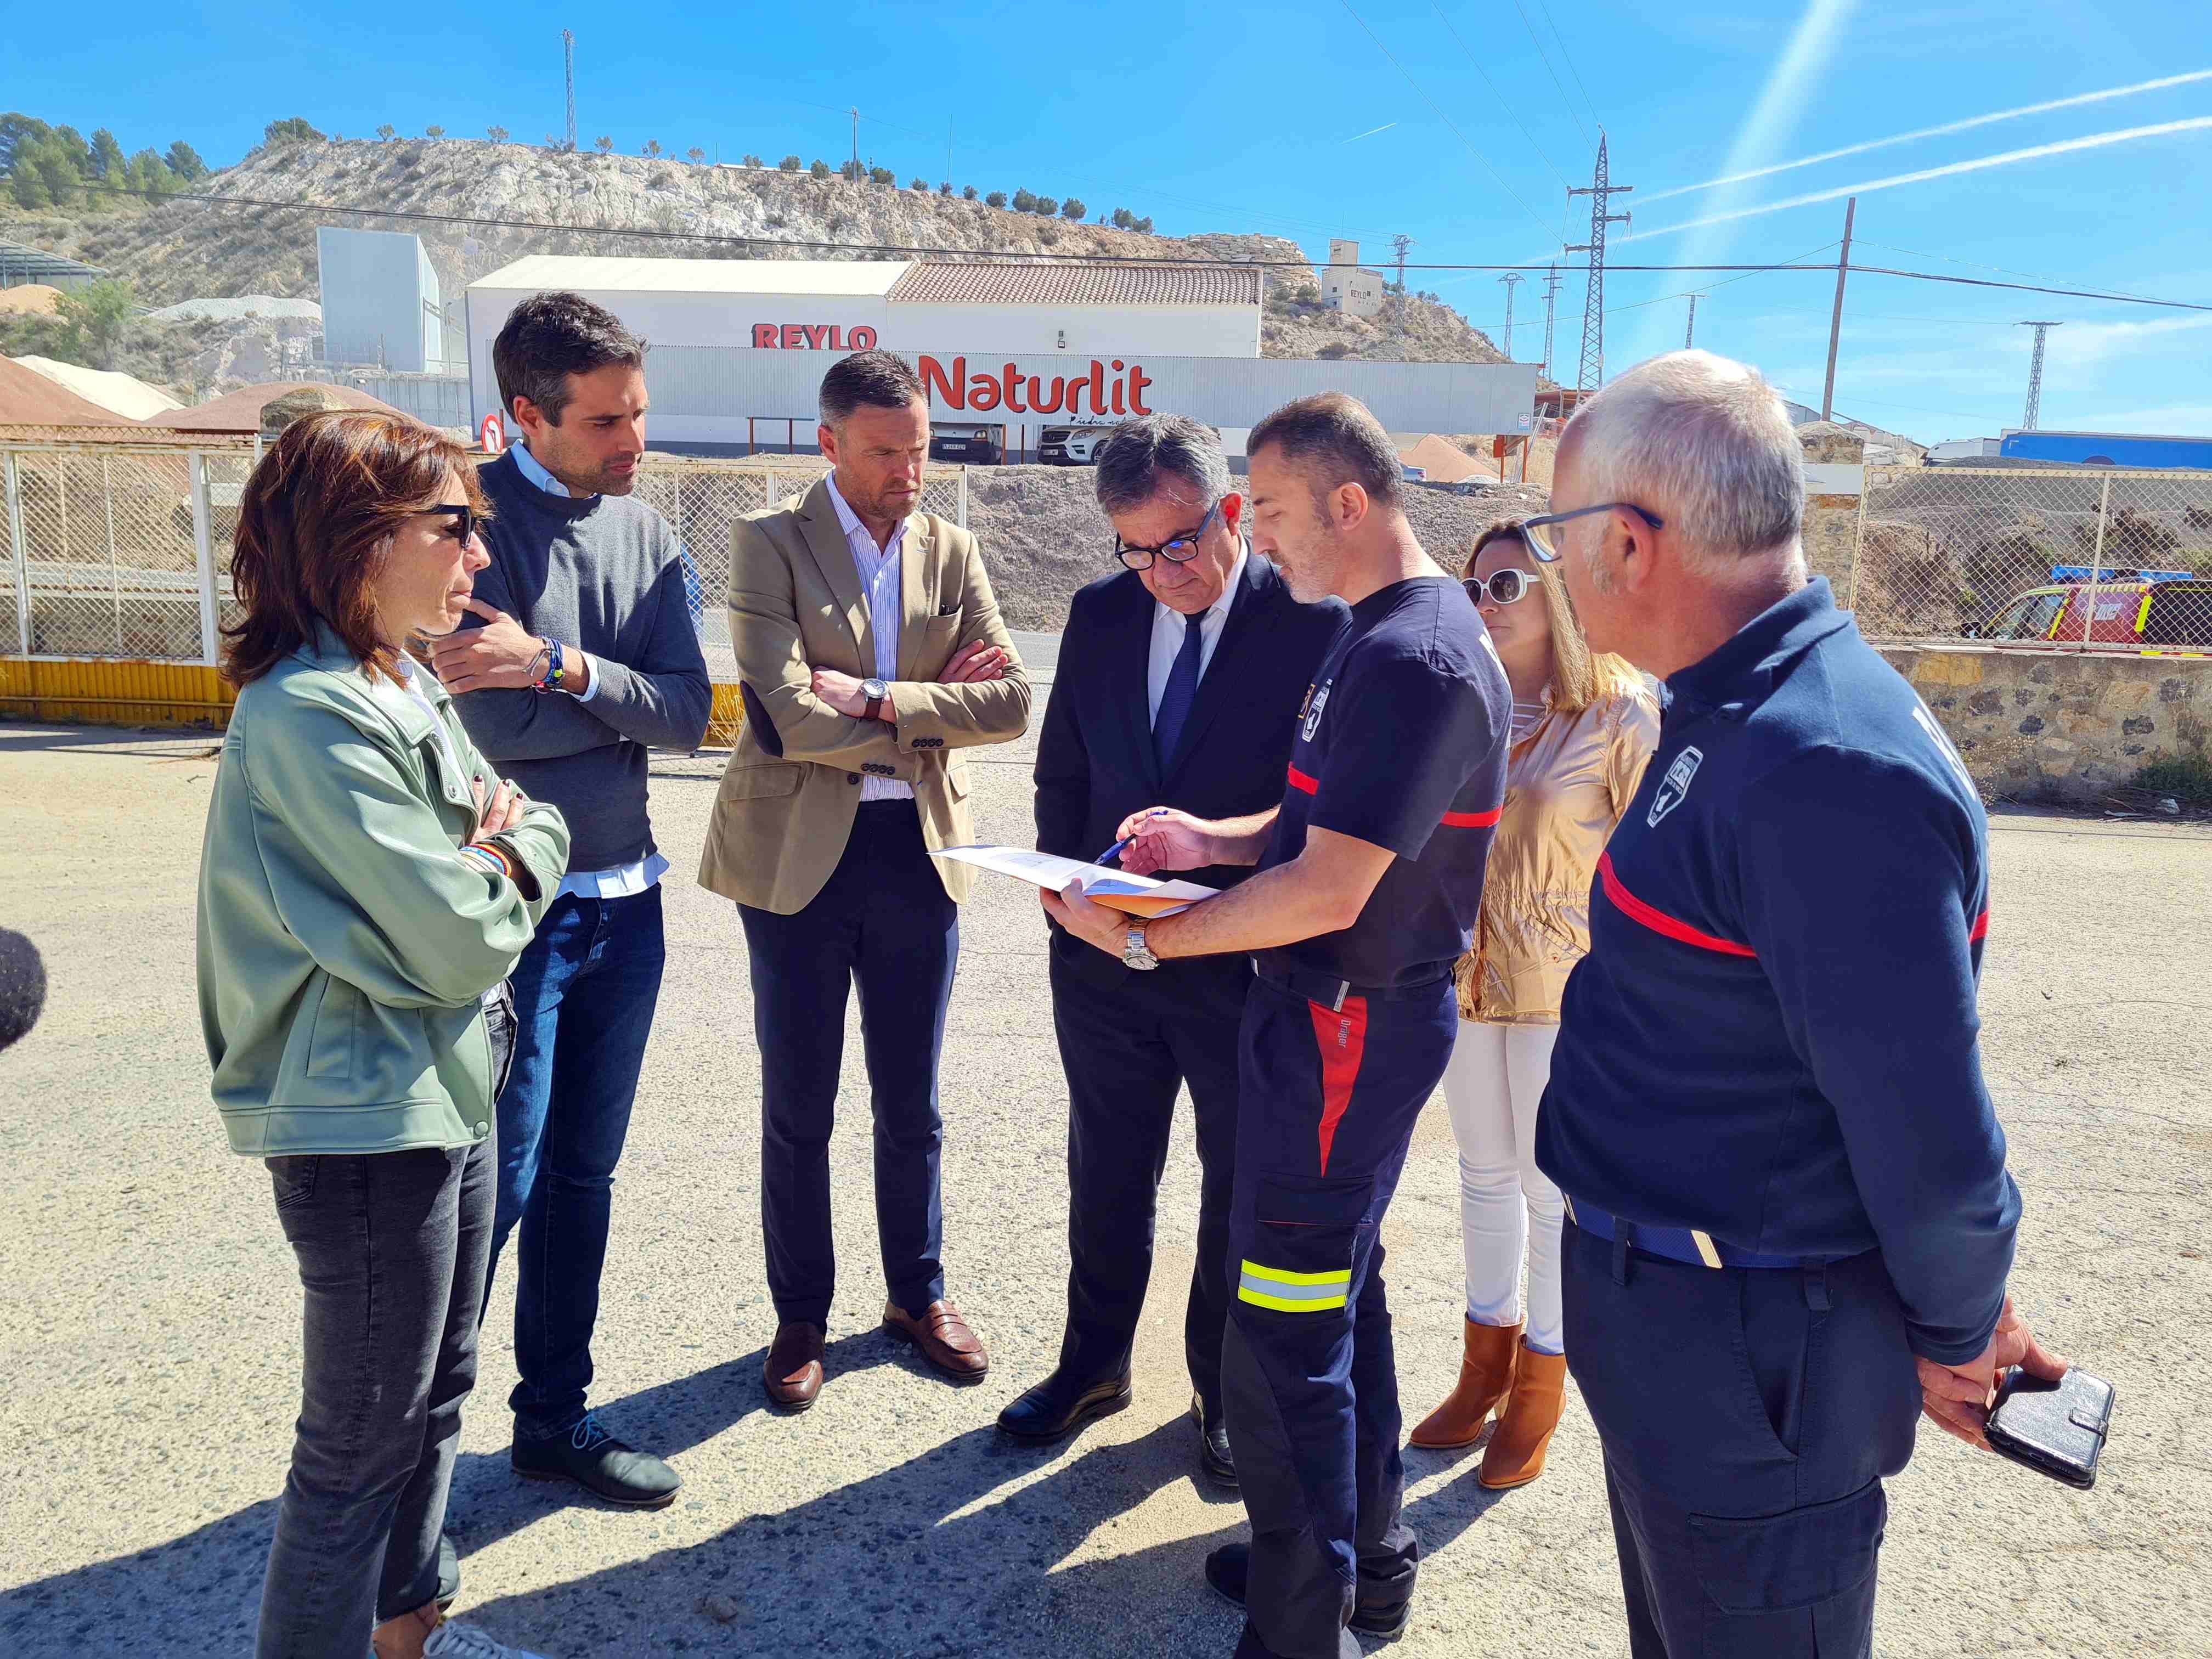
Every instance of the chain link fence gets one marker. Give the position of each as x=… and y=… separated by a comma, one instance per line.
x=2059, y=559
x=123, y=551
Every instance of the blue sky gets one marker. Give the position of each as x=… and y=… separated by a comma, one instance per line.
x=1248, y=118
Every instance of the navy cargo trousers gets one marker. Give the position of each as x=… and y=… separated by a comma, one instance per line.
x=1748, y=1415
x=1330, y=1088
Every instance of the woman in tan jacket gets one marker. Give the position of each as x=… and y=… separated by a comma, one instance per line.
x=1583, y=726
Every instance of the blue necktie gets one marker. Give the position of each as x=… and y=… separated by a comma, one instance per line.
x=1182, y=690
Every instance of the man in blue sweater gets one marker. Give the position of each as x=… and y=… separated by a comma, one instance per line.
x=1789, y=1220
x=587, y=656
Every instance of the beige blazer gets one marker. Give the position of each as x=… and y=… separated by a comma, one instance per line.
x=788, y=800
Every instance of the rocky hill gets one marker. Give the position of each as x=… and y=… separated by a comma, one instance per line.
x=178, y=250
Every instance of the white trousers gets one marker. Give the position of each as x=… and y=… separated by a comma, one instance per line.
x=1507, y=1205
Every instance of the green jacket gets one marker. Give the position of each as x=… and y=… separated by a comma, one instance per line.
x=343, y=940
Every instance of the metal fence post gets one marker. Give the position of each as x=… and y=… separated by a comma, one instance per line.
x=20, y=545
x=962, y=511
x=204, y=552
x=1858, y=538
x=2097, y=559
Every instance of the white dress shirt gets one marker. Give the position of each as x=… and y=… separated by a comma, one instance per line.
x=1168, y=636
x=626, y=880
x=880, y=572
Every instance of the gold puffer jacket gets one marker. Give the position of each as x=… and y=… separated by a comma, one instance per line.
x=1566, y=786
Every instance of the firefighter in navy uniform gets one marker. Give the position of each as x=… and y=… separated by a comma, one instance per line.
x=1369, y=882
x=1789, y=1222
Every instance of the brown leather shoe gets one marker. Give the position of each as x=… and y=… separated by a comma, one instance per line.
x=1514, y=1455
x=1486, y=1375
x=793, y=1368
x=943, y=1340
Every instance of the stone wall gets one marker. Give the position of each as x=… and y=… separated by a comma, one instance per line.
x=1835, y=475
x=2063, y=727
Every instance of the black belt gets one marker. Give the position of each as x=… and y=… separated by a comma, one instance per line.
x=1331, y=993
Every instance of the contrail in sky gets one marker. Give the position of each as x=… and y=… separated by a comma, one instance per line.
x=1371, y=133
x=2094, y=140
x=1938, y=132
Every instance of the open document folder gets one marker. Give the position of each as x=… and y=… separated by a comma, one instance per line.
x=1140, y=895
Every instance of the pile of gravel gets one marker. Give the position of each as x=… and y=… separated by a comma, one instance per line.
x=237, y=309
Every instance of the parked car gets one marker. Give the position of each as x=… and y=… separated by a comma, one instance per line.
x=2143, y=615
x=974, y=443
x=1070, y=445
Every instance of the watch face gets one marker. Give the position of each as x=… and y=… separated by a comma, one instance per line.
x=875, y=689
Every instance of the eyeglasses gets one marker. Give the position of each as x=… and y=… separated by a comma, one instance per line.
x=1506, y=586
x=1537, y=532
x=1176, y=550
x=464, y=518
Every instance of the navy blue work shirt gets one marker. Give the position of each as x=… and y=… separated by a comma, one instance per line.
x=1772, y=1038
x=1401, y=743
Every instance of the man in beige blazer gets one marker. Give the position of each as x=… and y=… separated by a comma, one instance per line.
x=871, y=654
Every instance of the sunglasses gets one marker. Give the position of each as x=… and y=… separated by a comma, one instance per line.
x=1176, y=550
x=1544, y=544
x=465, y=521
x=1506, y=586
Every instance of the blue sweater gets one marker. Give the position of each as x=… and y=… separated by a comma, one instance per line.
x=1772, y=1038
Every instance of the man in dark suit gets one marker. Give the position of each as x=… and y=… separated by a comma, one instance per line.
x=1180, y=680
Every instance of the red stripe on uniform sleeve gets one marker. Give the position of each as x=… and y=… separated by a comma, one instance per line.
x=1472, y=820
x=1658, y=920
x=1304, y=784
x=1980, y=930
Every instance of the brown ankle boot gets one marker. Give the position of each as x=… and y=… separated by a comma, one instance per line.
x=1514, y=1455
x=1485, y=1374
x=403, y=1637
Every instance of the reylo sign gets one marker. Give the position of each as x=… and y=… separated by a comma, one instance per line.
x=809, y=337
x=1115, y=392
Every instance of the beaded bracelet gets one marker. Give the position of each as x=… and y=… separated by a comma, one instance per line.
x=547, y=668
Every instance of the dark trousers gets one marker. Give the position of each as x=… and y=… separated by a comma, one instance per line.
x=884, y=921
x=1128, y=1043
x=392, y=1249
x=1748, y=1416
x=1326, y=1112
x=584, y=992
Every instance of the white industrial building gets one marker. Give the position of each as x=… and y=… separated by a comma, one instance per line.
x=740, y=346
x=1345, y=287
x=380, y=301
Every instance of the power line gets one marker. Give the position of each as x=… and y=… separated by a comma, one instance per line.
x=1689, y=294
x=1552, y=23
x=1504, y=101
x=1440, y=115
x=1976, y=264
x=1566, y=101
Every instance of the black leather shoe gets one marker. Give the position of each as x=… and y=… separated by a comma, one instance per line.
x=1058, y=1407
x=600, y=1464
x=449, y=1571
x=1213, y=1455
x=1228, y=1567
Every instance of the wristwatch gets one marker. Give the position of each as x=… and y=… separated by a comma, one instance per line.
x=1135, y=952
x=878, y=694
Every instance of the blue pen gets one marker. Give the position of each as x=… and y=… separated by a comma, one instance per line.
x=1115, y=851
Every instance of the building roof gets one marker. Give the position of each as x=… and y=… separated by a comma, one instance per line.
x=29, y=399
x=1014, y=284
x=119, y=394
x=23, y=264
x=241, y=411
x=834, y=278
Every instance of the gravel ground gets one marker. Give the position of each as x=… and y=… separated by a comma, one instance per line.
x=150, y=1337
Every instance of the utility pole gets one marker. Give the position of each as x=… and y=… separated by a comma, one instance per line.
x=856, y=139
x=1836, y=317
x=2034, y=412
x=1400, y=242
x=569, y=64
x=1551, y=298
x=1510, y=278
x=1690, y=333
x=1590, y=374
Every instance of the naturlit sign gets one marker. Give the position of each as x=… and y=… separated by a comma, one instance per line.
x=1112, y=389
x=810, y=336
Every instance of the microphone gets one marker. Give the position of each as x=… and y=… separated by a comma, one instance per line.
x=22, y=986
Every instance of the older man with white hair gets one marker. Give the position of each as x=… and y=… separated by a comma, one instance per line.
x=1790, y=1219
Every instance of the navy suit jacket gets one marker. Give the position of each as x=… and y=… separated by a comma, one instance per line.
x=1095, y=761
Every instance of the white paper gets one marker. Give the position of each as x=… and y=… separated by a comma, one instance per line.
x=1141, y=895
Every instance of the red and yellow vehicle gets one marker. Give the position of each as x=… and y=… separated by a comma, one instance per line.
x=2170, y=616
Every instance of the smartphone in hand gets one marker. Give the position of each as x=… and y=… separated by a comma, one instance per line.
x=2056, y=1429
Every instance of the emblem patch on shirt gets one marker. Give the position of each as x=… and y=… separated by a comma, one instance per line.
x=1675, y=785
x=1313, y=712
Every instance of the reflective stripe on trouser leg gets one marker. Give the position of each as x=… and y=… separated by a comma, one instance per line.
x=1289, y=1292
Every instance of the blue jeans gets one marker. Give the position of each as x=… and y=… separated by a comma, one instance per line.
x=583, y=996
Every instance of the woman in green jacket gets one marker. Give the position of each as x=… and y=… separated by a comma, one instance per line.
x=366, y=884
